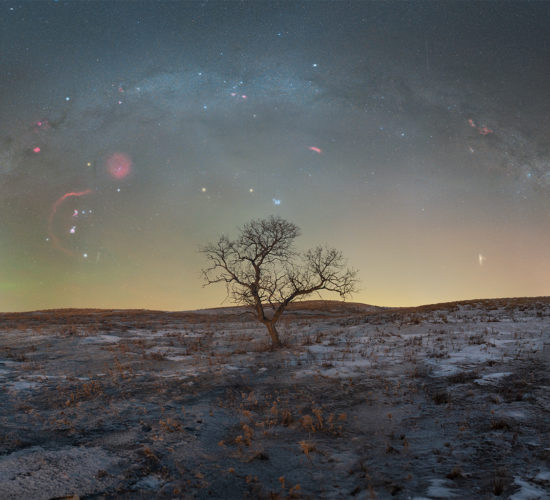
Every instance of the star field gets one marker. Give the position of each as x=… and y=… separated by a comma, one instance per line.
x=413, y=137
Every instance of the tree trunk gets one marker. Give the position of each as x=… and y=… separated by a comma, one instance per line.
x=275, y=340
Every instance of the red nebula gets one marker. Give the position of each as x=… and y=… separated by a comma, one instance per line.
x=36, y=149
x=55, y=240
x=481, y=130
x=119, y=165
x=315, y=150
x=484, y=130
x=41, y=125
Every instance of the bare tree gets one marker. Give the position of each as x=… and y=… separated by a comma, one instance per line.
x=261, y=269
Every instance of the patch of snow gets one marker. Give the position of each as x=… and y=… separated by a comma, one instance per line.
x=101, y=339
x=469, y=355
x=174, y=352
x=543, y=476
x=22, y=385
x=442, y=370
x=320, y=349
x=147, y=333
x=151, y=482
x=515, y=414
x=503, y=342
x=179, y=358
x=528, y=491
x=491, y=378
x=45, y=378
x=439, y=490
x=472, y=354
x=232, y=368
x=158, y=349
x=346, y=368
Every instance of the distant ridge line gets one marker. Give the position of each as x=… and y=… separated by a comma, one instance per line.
x=306, y=305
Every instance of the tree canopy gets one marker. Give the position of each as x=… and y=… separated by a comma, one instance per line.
x=261, y=267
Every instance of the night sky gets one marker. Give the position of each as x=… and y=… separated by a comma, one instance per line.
x=415, y=137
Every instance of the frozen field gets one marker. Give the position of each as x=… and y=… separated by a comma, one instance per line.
x=443, y=401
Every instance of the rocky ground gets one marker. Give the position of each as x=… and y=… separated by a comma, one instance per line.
x=443, y=401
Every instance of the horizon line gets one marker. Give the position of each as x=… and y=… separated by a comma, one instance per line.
x=98, y=309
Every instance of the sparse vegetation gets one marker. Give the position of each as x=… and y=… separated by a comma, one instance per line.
x=182, y=405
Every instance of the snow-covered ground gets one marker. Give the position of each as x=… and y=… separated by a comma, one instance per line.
x=444, y=401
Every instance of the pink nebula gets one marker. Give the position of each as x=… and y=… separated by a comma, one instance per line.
x=315, y=150
x=119, y=165
x=41, y=125
x=484, y=130
x=55, y=240
x=36, y=149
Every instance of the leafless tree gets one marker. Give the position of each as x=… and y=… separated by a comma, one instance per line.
x=261, y=269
